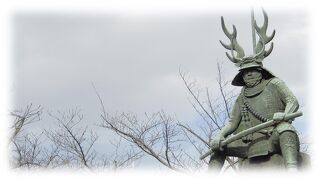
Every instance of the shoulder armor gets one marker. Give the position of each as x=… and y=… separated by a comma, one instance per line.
x=278, y=84
x=286, y=95
x=276, y=81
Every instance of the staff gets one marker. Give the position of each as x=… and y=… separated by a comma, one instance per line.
x=252, y=130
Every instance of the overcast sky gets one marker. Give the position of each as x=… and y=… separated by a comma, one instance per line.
x=134, y=60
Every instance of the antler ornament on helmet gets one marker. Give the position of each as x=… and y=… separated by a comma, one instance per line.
x=259, y=54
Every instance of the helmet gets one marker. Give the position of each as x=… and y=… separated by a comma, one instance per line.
x=252, y=61
x=238, y=79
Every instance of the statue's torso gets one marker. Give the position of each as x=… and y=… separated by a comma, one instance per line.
x=267, y=102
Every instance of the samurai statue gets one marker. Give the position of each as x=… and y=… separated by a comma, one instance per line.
x=263, y=97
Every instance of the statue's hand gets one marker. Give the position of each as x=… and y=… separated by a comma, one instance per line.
x=279, y=116
x=216, y=142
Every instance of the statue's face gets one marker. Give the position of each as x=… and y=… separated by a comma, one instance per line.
x=252, y=77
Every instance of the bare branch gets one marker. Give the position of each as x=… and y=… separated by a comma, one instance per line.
x=23, y=118
x=72, y=140
x=213, y=119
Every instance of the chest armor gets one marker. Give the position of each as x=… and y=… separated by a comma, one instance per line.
x=265, y=102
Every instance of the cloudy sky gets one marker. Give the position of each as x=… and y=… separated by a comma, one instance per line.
x=134, y=60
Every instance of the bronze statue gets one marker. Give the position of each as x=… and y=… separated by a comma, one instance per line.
x=262, y=114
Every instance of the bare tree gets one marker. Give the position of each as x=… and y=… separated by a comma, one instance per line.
x=27, y=151
x=214, y=113
x=165, y=139
x=25, y=147
x=156, y=135
x=68, y=143
x=24, y=117
x=119, y=159
x=75, y=143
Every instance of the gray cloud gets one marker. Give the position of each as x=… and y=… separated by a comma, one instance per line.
x=134, y=60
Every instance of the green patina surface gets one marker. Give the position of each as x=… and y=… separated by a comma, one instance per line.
x=263, y=97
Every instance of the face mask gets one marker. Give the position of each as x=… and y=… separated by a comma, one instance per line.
x=252, y=77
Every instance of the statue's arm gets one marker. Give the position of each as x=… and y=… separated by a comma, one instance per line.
x=235, y=118
x=287, y=97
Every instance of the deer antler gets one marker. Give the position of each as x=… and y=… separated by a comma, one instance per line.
x=234, y=46
x=264, y=39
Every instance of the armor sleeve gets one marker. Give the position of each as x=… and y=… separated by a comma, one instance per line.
x=235, y=118
x=287, y=97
